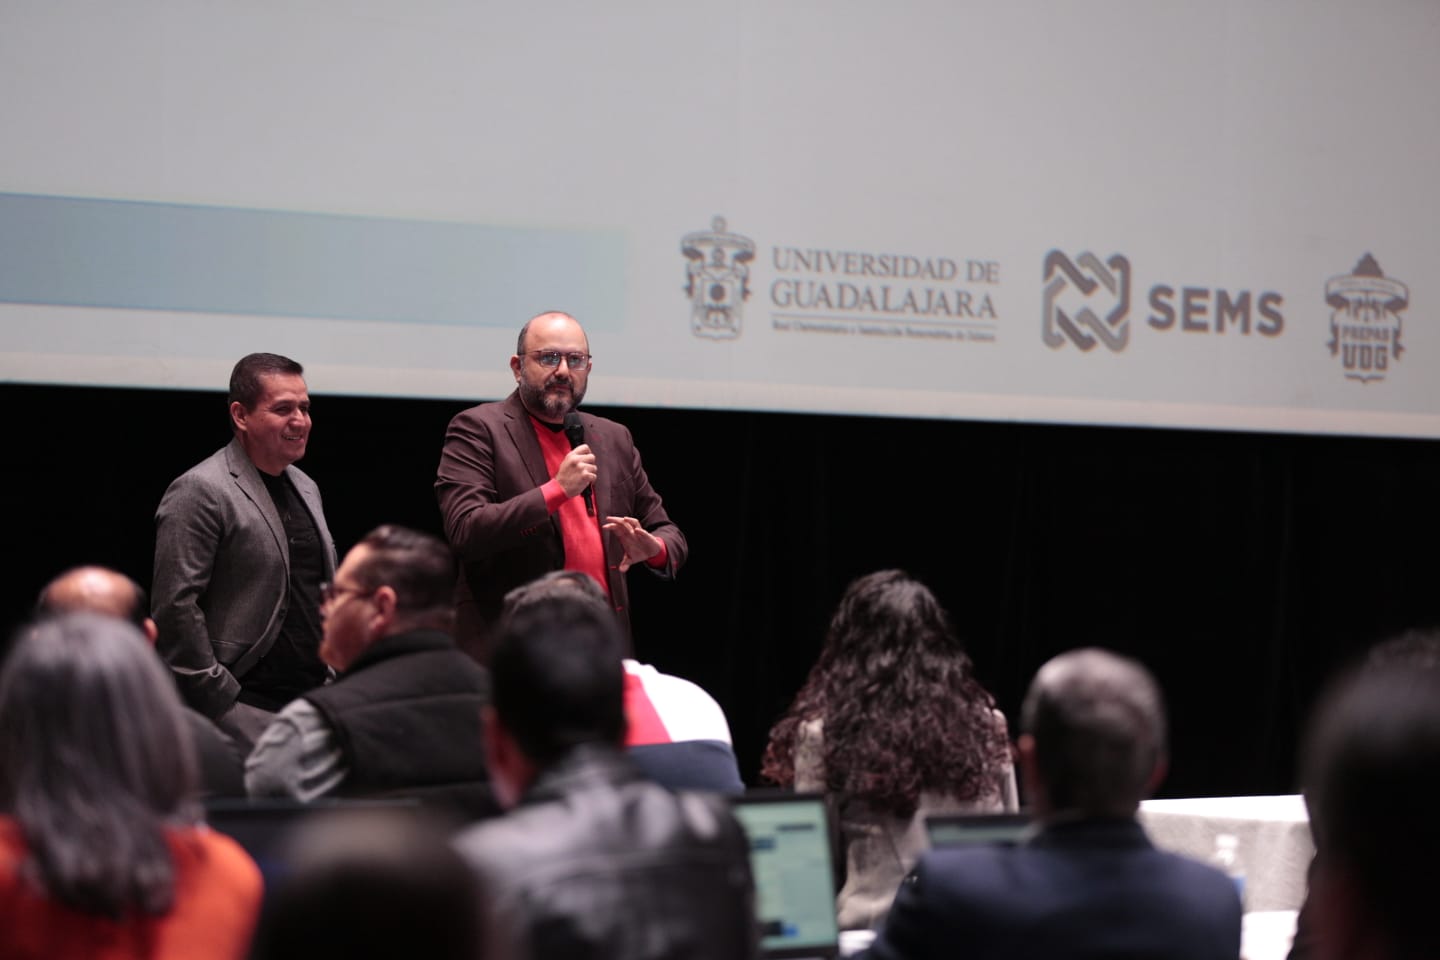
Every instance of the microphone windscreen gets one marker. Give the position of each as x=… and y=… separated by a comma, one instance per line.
x=574, y=429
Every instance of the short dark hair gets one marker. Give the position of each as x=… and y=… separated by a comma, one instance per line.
x=419, y=567
x=1098, y=720
x=245, y=386
x=1371, y=773
x=95, y=760
x=378, y=883
x=553, y=584
x=558, y=677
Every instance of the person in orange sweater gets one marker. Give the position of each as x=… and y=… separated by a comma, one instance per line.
x=103, y=853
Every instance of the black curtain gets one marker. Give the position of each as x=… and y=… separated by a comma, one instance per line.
x=1241, y=568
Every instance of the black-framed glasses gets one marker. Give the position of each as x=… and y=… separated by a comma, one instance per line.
x=551, y=359
x=330, y=592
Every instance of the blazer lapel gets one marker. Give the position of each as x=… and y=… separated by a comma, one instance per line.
x=606, y=463
x=309, y=495
x=522, y=434
x=247, y=478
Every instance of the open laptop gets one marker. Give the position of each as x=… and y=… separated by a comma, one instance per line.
x=792, y=857
x=265, y=828
x=964, y=829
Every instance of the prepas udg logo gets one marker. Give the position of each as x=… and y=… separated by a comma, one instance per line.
x=1087, y=301
x=1365, y=320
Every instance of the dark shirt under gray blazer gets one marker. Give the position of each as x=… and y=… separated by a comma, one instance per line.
x=222, y=573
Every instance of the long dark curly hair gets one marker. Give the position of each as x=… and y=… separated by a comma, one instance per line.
x=901, y=709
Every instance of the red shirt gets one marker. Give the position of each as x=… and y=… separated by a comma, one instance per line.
x=580, y=532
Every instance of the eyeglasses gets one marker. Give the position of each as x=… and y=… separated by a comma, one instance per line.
x=552, y=358
x=331, y=592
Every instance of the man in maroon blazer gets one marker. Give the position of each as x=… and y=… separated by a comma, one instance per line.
x=525, y=490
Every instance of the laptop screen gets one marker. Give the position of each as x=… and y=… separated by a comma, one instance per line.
x=960, y=829
x=265, y=828
x=792, y=859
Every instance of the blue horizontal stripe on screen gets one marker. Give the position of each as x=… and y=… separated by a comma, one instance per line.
x=164, y=256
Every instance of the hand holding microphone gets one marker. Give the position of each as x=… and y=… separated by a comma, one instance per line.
x=579, y=464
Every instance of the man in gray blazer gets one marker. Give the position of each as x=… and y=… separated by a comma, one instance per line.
x=241, y=551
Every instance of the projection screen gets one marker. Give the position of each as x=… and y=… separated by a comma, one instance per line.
x=1215, y=214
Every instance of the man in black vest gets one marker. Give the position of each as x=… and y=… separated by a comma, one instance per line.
x=403, y=719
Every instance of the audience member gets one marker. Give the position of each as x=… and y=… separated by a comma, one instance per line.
x=403, y=719
x=1371, y=772
x=1089, y=884
x=594, y=860
x=894, y=726
x=112, y=594
x=241, y=548
x=1415, y=649
x=373, y=885
x=101, y=852
x=675, y=732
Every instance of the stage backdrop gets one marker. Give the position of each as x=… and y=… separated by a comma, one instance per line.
x=1195, y=214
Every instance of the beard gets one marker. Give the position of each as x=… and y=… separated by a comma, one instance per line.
x=553, y=400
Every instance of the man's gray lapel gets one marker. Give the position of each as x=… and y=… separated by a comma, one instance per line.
x=247, y=479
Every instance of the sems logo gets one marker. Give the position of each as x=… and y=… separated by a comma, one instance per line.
x=1365, y=320
x=1087, y=301
x=717, y=280
x=1072, y=286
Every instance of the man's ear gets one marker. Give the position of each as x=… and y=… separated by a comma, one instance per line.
x=1157, y=775
x=387, y=607
x=515, y=367
x=238, y=413
x=151, y=631
x=1337, y=913
x=511, y=772
x=1030, y=780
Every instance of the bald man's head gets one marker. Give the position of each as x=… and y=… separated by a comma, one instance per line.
x=98, y=590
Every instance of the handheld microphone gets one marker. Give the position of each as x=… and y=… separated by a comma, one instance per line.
x=575, y=433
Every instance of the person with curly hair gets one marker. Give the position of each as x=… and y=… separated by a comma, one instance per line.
x=893, y=725
x=102, y=850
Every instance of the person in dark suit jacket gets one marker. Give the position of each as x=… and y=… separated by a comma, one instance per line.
x=112, y=594
x=519, y=501
x=592, y=859
x=1371, y=770
x=241, y=549
x=1088, y=884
